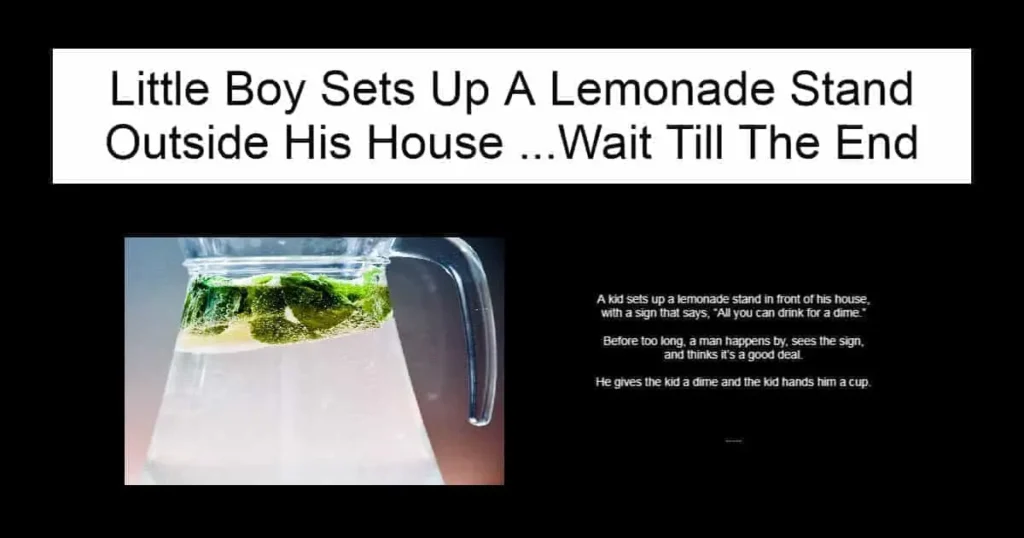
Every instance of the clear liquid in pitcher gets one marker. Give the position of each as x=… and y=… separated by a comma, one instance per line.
x=289, y=379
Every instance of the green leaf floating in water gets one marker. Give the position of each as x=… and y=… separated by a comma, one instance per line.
x=278, y=330
x=319, y=306
x=265, y=300
x=315, y=302
x=211, y=301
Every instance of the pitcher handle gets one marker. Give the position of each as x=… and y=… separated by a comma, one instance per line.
x=458, y=259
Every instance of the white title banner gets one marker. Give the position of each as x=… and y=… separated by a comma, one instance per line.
x=512, y=116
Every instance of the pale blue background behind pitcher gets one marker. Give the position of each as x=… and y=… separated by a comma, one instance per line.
x=427, y=312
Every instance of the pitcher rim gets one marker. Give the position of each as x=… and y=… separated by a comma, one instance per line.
x=325, y=259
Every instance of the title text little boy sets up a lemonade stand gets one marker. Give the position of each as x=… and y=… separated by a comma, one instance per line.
x=453, y=90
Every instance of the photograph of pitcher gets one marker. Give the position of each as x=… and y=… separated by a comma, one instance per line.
x=289, y=367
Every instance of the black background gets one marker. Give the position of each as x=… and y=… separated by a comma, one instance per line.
x=906, y=247
x=906, y=256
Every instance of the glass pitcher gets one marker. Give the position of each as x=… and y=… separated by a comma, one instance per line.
x=288, y=367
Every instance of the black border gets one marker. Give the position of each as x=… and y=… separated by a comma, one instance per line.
x=120, y=213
